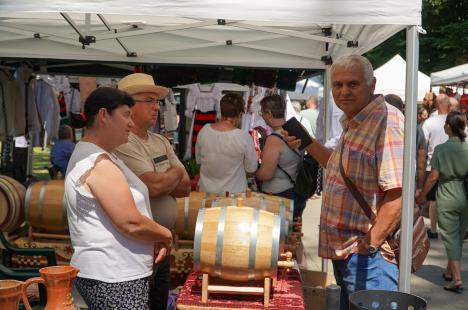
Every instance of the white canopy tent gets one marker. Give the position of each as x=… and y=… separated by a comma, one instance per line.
x=453, y=76
x=263, y=33
x=391, y=79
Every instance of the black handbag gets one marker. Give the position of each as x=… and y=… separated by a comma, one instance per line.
x=305, y=183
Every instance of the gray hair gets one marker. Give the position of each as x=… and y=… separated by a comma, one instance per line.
x=297, y=106
x=351, y=61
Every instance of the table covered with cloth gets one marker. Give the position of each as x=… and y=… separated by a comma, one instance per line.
x=286, y=295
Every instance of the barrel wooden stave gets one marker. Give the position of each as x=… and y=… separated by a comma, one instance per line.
x=187, y=211
x=45, y=209
x=12, y=201
x=242, y=256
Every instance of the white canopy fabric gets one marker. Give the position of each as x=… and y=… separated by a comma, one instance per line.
x=262, y=33
x=391, y=78
x=455, y=75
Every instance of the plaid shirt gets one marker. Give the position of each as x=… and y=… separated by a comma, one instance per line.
x=373, y=161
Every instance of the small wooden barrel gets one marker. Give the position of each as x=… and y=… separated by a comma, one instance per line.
x=282, y=206
x=187, y=211
x=12, y=204
x=45, y=208
x=237, y=243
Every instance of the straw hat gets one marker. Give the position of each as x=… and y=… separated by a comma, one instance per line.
x=141, y=83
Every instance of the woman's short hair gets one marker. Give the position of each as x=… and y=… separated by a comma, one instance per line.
x=105, y=97
x=457, y=123
x=275, y=104
x=232, y=105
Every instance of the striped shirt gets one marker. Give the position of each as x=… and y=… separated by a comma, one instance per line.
x=373, y=161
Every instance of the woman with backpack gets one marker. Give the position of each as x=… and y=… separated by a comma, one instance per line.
x=279, y=163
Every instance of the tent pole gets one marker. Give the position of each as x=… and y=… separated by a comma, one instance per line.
x=409, y=164
x=327, y=108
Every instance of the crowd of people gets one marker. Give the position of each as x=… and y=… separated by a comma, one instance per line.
x=121, y=230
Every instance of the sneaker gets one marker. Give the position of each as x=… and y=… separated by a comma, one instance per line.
x=432, y=235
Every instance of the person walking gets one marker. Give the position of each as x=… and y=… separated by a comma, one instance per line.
x=452, y=198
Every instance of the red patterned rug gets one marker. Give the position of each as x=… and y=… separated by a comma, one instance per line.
x=286, y=295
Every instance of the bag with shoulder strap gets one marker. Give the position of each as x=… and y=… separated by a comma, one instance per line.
x=420, y=245
x=305, y=183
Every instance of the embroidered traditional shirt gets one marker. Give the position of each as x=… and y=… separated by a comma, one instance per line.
x=373, y=161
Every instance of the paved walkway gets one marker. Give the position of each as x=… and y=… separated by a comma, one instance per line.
x=426, y=283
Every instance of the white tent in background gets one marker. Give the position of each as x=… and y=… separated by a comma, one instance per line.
x=455, y=75
x=312, y=88
x=391, y=79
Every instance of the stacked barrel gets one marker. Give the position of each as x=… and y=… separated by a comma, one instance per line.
x=12, y=195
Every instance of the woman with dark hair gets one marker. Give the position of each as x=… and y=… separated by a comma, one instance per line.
x=450, y=167
x=225, y=152
x=280, y=163
x=423, y=114
x=109, y=217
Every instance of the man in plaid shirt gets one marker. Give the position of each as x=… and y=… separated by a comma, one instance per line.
x=372, y=143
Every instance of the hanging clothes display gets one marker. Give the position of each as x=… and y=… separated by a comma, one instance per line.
x=202, y=108
x=169, y=111
x=27, y=84
x=12, y=121
x=48, y=109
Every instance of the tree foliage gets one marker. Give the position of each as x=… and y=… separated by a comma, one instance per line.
x=446, y=43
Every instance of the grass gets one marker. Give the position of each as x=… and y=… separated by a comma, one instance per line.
x=41, y=159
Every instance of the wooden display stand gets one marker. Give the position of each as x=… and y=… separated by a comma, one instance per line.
x=34, y=236
x=220, y=287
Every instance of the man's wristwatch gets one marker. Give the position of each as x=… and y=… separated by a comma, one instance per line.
x=372, y=249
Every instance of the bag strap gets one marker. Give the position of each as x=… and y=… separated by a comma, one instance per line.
x=277, y=165
x=353, y=189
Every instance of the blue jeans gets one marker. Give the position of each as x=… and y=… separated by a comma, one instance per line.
x=360, y=272
x=299, y=202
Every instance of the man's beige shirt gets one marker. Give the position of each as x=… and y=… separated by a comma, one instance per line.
x=152, y=155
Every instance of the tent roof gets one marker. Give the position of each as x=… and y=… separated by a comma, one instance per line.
x=262, y=33
x=455, y=75
x=391, y=79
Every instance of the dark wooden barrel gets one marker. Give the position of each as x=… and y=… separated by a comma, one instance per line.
x=12, y=195
x=45, y=208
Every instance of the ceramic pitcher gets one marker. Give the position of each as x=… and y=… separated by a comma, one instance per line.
x=11, y=291
x=58, y=280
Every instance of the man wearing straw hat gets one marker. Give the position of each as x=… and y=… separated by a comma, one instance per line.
x=151, y=157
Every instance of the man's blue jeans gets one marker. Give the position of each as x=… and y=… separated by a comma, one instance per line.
x=360, y=272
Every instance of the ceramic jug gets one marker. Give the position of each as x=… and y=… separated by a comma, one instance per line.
x=11, y=291
x=58, y=281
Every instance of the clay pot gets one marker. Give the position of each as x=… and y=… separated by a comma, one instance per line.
x=11, y=291
x=59, y=281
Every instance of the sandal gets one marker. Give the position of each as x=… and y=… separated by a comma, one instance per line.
x=456, y=288
x=447, y=277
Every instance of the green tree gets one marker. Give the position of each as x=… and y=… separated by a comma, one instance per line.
x=446, y=43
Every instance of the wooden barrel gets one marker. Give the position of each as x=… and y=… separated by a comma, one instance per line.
x=281, y=206
x=45, y=208
x=12, y=204
x=237, y=243
x=187, y=211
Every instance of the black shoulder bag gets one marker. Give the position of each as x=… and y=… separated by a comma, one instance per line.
x=305, y=183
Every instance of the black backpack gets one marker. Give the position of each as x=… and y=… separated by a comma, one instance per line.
x=305, y=183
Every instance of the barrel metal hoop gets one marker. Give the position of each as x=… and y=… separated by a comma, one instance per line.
x=40, y=203
x=186, y=216
x=253, y=243
x=219, y=241
x=5, y=189
x=198, y=237
x=275, y=245
x=28, y=202
x=64, y=209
